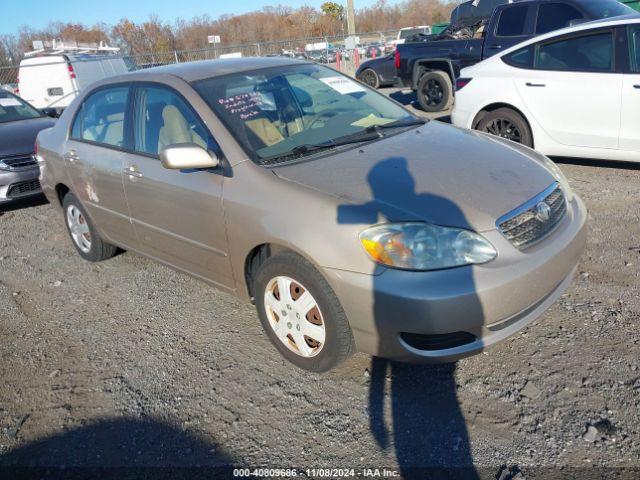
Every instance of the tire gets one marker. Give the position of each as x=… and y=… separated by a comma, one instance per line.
x=92, y=248
x=507, y=123
x=369, y=77
x=337, y=344
x=435, y=92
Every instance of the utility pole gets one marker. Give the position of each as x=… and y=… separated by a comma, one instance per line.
x=351, y=18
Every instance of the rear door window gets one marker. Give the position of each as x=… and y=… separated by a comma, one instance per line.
x=552, y=16
x=101, y=117
x=512, y=21
x=634, y=48
x=587, y=53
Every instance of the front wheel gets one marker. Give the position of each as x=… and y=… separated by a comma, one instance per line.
x=507, y=123
x=435, y=91
x=301, y=314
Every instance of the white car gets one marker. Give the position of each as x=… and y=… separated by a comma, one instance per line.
x=573, y=92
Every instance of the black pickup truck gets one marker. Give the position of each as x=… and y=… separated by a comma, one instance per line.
x=431, y=66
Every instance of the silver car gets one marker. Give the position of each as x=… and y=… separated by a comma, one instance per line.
x=349, y=222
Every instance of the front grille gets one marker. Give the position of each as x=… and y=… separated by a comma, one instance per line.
x=528, y=224
x=16, y=162
x=23, y=188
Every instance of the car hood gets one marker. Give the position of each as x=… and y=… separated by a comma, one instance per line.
x=435, y=173
x=20, y=137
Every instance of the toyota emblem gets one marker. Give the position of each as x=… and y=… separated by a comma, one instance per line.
x=543, y=211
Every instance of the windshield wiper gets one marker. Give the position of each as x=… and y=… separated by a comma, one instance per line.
x=396, y=124
x=301, y=150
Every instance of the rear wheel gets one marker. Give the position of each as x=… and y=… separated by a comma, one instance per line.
x=435, y=92
x=369, y=77
x=82, y=232
x=301, y=314
x=507, y=123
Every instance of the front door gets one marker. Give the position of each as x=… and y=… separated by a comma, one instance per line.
x=177, y=215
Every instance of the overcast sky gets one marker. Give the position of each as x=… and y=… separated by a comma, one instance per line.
x=37, y=13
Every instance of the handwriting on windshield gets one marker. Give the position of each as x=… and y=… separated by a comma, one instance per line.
x=243, y=105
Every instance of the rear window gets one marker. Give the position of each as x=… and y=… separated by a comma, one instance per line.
x=552, y=16
x=606, y=8
x=512, y=22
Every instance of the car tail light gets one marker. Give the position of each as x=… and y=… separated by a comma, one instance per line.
x=461, y=83
x=72, y=74
x=397, y=57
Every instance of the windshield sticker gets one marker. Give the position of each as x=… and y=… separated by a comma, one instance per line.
x=244, y=105
x=9, y=102
x=342, y=85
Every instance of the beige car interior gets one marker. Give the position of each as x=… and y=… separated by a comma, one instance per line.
x=175, y=129
x=109, y=128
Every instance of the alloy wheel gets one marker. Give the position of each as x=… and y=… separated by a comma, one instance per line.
x=434, y=92
x=369, y=77
x=294, y=316
x=501, y=127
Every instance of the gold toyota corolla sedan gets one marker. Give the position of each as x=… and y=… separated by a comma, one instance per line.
x=349, y=222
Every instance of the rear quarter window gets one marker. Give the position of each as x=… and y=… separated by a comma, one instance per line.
x=520, y=58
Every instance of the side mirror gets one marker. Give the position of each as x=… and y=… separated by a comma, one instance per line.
x=185, y=156
x=51, y=112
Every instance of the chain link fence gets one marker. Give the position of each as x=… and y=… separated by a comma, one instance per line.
x=348, y=60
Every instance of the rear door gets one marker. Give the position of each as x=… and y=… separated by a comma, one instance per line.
x=177, y=214
x=630, y=117
x=95, y=157
x=573, y=91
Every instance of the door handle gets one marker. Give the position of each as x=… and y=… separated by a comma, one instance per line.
x=494, y=47
x=71, y=155
x=529, y=84
x=133, y=171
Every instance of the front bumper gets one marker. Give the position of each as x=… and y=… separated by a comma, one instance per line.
x=487, y=303
x=20, y=183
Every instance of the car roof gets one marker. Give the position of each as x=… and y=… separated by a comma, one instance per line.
x=194, y=71
x=604, y=22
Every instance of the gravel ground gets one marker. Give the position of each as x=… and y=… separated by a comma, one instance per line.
x=129, y=364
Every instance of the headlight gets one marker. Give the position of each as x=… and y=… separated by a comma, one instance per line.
x=422, y=246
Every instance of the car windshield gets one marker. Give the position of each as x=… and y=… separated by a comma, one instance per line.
x=281, y=113
x=606, y=8
x=13, y=108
